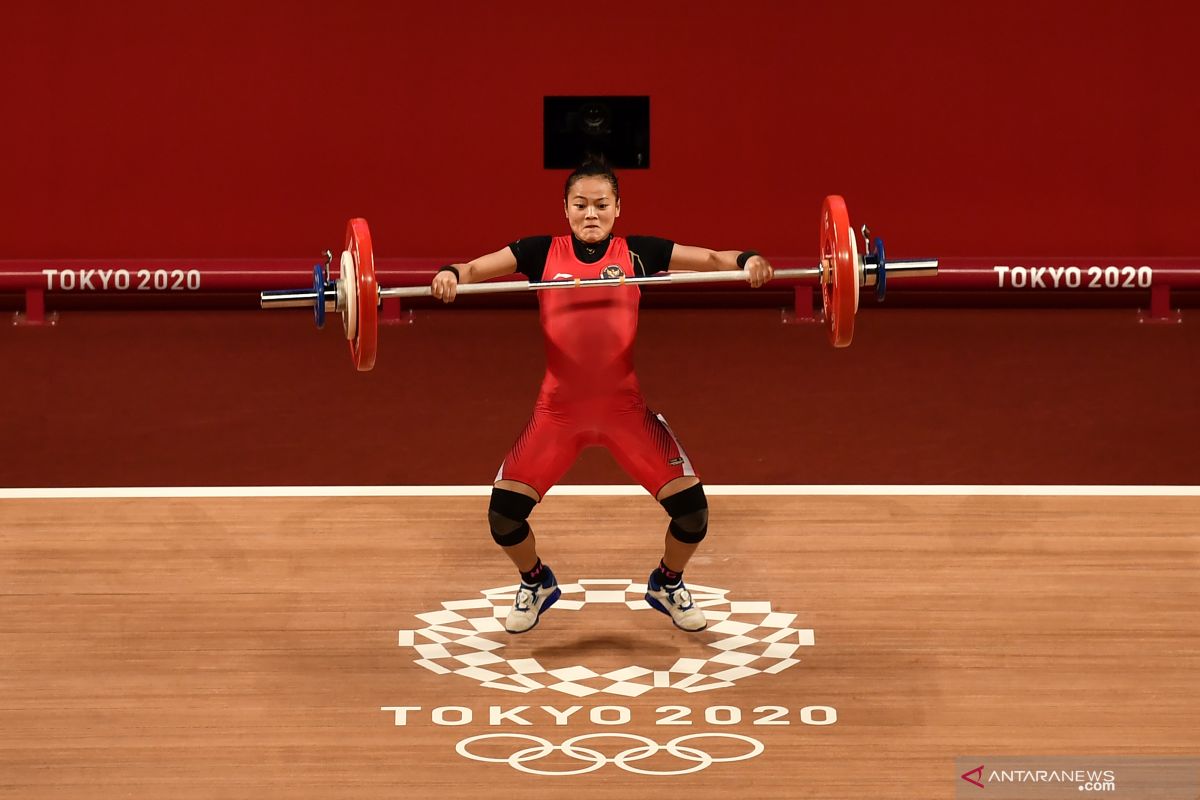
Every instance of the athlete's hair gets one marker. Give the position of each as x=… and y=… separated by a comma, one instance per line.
x=593, y=167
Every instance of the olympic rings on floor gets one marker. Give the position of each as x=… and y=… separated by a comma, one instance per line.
x=647, y=748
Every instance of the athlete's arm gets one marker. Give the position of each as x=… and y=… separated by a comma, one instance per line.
x=493, y=265
x=701, y=259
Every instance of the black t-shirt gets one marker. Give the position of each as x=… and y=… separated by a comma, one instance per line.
x=649, y=254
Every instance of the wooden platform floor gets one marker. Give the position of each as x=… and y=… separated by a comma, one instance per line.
x=221, y=648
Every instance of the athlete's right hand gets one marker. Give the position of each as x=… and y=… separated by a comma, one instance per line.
x=445, y=286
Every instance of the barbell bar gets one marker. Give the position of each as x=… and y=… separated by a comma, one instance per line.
x=842, y=272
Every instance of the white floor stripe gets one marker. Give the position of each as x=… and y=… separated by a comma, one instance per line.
x=736, y=490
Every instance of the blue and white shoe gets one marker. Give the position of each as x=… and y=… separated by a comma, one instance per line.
x=676, y=602
x=531, y=602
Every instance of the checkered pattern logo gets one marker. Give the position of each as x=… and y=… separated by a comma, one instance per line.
x=462, y=639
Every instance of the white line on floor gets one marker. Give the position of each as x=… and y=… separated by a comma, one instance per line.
x=963, y=490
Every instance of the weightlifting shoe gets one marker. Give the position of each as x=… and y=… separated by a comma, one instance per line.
x=676, y=602
x=531, y=602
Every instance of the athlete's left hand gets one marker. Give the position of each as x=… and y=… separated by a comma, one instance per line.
x=760, y=271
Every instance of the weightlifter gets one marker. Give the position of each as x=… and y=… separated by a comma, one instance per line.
x=590, y=394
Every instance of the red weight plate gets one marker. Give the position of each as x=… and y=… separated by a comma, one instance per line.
x=366, y=339
x=839, y=283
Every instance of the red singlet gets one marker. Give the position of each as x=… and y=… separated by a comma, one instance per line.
x=590, y=394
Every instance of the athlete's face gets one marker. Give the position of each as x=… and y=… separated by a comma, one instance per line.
x=592, y=208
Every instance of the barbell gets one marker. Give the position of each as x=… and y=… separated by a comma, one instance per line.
x=843, y=273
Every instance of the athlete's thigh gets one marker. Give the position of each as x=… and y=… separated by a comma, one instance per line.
x=645, y=447
x=544, y=451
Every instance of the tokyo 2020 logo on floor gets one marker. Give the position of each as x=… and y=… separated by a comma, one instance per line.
x=750, y=639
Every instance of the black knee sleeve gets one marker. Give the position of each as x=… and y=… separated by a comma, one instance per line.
x=507, y=515
x=689, y=514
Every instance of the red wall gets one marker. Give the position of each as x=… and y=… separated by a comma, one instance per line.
x=196, y=398
x=254, y=129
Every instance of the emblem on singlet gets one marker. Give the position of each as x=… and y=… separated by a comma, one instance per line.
x=612, y=271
